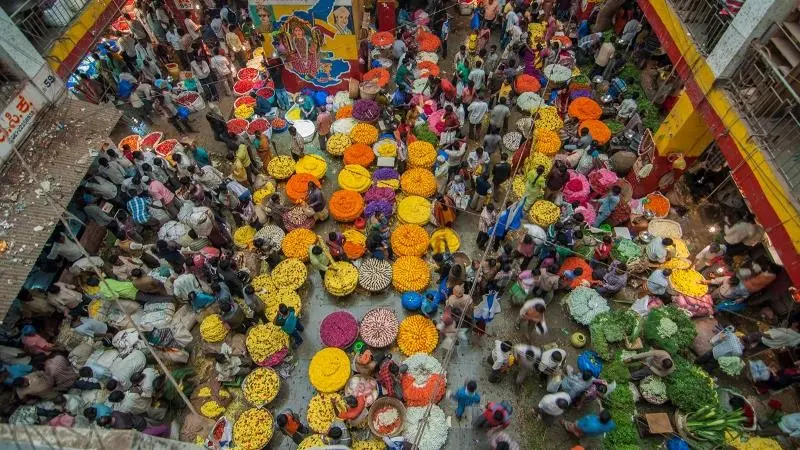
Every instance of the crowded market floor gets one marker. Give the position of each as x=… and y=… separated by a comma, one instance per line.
x=521, y=424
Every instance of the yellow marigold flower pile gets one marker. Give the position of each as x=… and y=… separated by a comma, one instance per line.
x=418, y=181
x=212, y=409
x=537, y=159
x=442, y=236
x=281, y=167
x=320, y=413
x=244, y=111
x=264, y=283
x=315, y=440
x=409, y=240
x=414, y=210
x=548, y=118
x=205, y=392
x=544, y=213
x=676, y=263
x=296, y=243
x=213, y=329
x=410, y=273
x=355, y=244
x=386, y=147
x=274, y=299
x=372, y=444
x=341, y=278
x=264, y=340
x=290, y=273
x=355, y=178
x=518, y=186
x=417, y=334
x=421, y=154
x=547, y=142
x=261, y=386
x=337, y=144
x=746, y=442
x=688, y=282
x=364, y=133
x=312, y=164
x=253, y=429
x=536, y=33
x=329, y=370
x=263, y=193
x=243, y=236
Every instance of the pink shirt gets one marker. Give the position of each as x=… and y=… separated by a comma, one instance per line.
x=160, y=192
x=324, y=121
x=35, y=344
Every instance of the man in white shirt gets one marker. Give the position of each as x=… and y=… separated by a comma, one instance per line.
x=202, y=72
x=511, y=20
x=499, y=115
x=707, y=256
x=191, y=27
x=141, y=101
x=477, y=75
x=477, y=111
x=222, y=68
x=399, y=49
x=175, y=41
x=553, y=405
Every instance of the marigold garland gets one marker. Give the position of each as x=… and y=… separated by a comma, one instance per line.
x=354, y=178
x=341, y=278
x=428, y=68
x=321, y=414
x=382, y=39
x=537, y=159
x=263, y=193
x=380, y=75
x=526, y=83
x=290, y=273
x=313, y=164
x=243, y=236
x=421, y=154
x=547, y=142
x=297, y=186
x=213, y=329
x=261, y=386
x=282, y=295
x=337, y=144
x=344, y=112
x=442, y=236
x=431, y=389
x=360, y=154
x=281, y=167
x=253, y=429
x=544, y=213
x=427, y=41
x=417, y=334
x=688, y=282
x=296, y=243
x=418, y=181
x=599, y=131
x=354, y=244
x=548, y=118
x=345, y=206
x=414, y=210
x=364, y=133
x=572, y=263
x=386, y=147
x=409, y=240
x=329, y=370
x=410, y=273
x=264, y=340
x=584, y=108
x=315, y=440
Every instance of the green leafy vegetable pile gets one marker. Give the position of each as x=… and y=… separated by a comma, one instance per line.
x=423, y=133
x=621, y=405
x=689, y=387
x=612, y=327
x=669, y=328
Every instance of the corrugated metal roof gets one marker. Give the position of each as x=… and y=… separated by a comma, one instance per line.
x=58, y=152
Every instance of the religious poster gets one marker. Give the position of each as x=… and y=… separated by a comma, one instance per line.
x=314, y=39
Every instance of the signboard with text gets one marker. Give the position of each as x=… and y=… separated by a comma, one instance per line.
x=18, y=117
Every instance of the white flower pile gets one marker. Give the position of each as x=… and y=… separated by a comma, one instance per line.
x=421, y=366
x=653, y=389
x=427, y=56
x=434, y=435
x=343, y=126
x=557, y=73
x=529, y=101
x=585, y=304
x=342, y=98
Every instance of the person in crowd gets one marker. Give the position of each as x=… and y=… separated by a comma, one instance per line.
x=591, y=425
x=655, y=362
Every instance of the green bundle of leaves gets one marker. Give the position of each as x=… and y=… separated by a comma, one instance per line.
x=423, y=133
x=611, y=327
x=614, y=125
x=621, y=405
x=679, y=340
x=689, y=387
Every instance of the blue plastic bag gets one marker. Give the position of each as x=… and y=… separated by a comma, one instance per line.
x=475, y=22
x=677, y=443
x=590, y=361
x=411, y=300
x=124, y=88
x=183, y=112
x=320, y=98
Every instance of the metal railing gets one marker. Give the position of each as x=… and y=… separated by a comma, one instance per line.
x=706, y=20
x=44, y=21
x=770, y=104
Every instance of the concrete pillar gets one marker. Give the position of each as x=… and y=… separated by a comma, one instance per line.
x=16, y=46
x=751, y=23
x=683, y=130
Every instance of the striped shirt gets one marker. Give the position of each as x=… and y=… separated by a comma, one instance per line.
x=137, y=206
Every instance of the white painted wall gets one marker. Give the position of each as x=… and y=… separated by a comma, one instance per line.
x=752, y=21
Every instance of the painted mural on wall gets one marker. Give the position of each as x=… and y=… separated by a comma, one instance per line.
x=313, y=37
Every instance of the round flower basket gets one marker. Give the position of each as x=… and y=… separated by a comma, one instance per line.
x=279, y=125
x=237, y=126
x=338, y=329
x=243, y=236
x=544, y=213
x=557, y=73
x=547, y=142
x=418, y=181
x=601, y=180
x=363, y=386
x=290, y=273
x=265, y=92
x=281, y=167
x=213, y=329
x=577, y=188
x=423, y=383
x=385, y=147
x=366, y=110
x=657, y=204
x=131, y=141
x=297, y=186
x=341, y=279
x=427, y=68
x=321, y=413
x=247, y=73
x=421, y=154
x=409, y=240
x=589, y=214
x=428, y=42
x=296, y=243
x=547, y=117
x=574, y=262
x=314, y=165
x=243, y=87
x=165, y=148
x=526, y=83
x=337, y=144
x=345, y=206
x=360, y=154
x=427, y=56
x=583, y=108
x=374, y=274
x=653, y=390
x=329, y=370
x=435, y=124
x=354, y=244
x=369, y=89
x=363, y=133
x=379, y=75
x=344, y=112
x=379, y=327
x=260, y=125
x=244, y=100
x=599, y=130
x=529, y=102
x=151, y=140
x=386, y=417
x=342, y=99
x=410, y=273
x=414, y=210
x=442, y=236
x=264, y=341
x=344, y=126
x=296, y=218
x=688, y=282
x=354, y=178
x=382, y=39
x=386, y=177
x=512, y=140
x=379, y=206
x=253, y=429
x=537, y=159
x=261, y=386
x=417, y=334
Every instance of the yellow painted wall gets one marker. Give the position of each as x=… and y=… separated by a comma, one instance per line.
x=683, y=130
x=88, y=17
x=735, y=125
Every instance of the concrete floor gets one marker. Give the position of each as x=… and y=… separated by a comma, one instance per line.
x=470, y=360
